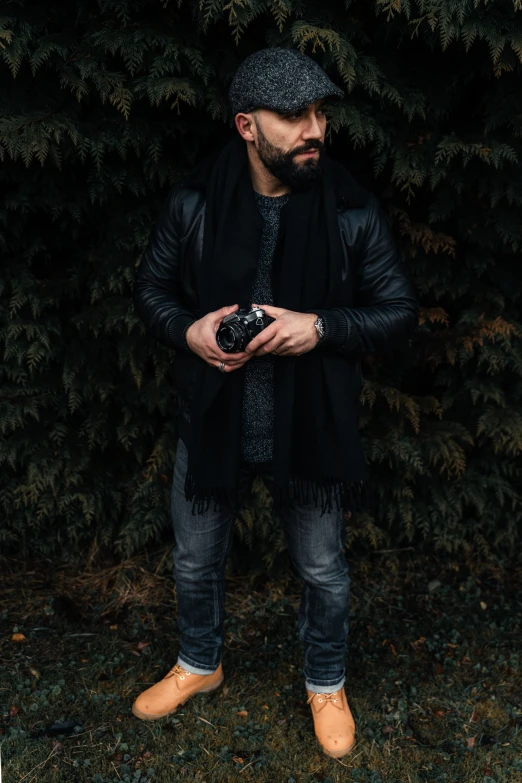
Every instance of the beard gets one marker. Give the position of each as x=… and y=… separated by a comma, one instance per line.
x=283, y=166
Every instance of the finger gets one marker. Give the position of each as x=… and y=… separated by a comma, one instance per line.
x=287, y=351
x=227, y=367
x=237, y=362
x=218, y=315
x=276, y=345
x=263, y=337
x=215, y=352
x=273, y=312
x=217, y=365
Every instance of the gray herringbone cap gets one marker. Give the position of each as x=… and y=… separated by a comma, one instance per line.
x=281, y=80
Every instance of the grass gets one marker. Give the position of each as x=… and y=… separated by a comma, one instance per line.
x=433, y=678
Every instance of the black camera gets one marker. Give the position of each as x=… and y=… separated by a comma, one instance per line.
x=237, y=329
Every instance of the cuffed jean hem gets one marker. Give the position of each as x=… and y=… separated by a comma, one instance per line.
x=314, y=688
x=195, y=668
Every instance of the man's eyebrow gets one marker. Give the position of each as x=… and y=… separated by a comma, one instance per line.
x=322, y=102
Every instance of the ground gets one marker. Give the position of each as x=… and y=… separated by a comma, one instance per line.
x=433, y=677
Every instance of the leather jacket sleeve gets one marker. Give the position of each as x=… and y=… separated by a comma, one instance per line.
x=157, y=293
x=388, y=310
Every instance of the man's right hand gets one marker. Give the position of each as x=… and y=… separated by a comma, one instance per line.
x=201, y=339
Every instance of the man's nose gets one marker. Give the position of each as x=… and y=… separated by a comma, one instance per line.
x=313, y=129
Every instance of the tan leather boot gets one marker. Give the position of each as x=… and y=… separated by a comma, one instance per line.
x=173, y=690
x=333, y=722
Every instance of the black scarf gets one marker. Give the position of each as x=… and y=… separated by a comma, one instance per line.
x=318, y=454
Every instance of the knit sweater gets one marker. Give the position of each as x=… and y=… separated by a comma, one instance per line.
x=258, y=394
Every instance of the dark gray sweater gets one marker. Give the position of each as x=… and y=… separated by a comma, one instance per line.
x=258, y=395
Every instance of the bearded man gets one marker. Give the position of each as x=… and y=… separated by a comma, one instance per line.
x=271, y=222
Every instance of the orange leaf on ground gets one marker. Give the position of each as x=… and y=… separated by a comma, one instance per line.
x=242, y=713
x=18, y=637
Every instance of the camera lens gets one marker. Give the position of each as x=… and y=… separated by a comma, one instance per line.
x=226, y=338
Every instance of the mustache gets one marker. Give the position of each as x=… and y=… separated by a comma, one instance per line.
x=309, y=149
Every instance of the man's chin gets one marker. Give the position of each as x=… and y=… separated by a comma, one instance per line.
x=305, y=177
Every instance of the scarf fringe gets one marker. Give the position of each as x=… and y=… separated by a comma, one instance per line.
x=201, y=500
x=325, y=494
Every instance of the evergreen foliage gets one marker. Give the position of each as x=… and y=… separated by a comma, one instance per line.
x=103, y=105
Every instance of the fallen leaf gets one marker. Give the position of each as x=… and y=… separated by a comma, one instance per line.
x=14, y=711
x=225, y=690
x=470, y=741
x=113, y=627
x=266, y=707
x=438, y=714
x=17, y=637
x=238, y=759
x=139, y=647
x=483, y=605
x=242, y=713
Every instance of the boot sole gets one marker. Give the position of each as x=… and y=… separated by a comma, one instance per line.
x=148, y=716
x=337, y=754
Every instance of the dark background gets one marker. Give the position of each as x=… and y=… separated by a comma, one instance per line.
x=103, y=106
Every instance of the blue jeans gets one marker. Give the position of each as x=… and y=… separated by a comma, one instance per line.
x=315, y=546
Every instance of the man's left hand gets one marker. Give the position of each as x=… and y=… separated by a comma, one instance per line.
x=291, y=334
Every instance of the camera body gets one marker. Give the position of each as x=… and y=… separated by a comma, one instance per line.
x=237, y=329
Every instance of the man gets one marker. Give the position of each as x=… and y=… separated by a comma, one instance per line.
x=271, y=221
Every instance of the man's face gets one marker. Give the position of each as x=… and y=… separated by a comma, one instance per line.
x=283, y=138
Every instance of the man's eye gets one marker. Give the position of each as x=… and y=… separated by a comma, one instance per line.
x=299, y=114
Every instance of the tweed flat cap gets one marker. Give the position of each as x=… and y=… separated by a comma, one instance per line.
x=281, y=80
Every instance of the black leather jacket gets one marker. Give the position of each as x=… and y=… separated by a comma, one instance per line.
x=381, y=307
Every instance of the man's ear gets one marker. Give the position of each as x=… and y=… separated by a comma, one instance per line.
x=244, y=123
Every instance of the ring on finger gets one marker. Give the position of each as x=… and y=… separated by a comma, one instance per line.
x=221, y=366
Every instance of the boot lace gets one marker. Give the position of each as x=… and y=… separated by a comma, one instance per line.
x=177, y=671
x=323, y=697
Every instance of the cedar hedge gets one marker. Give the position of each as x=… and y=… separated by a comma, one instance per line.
x=105, y=103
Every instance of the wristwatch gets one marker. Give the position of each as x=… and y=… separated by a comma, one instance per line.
x=319, y=325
